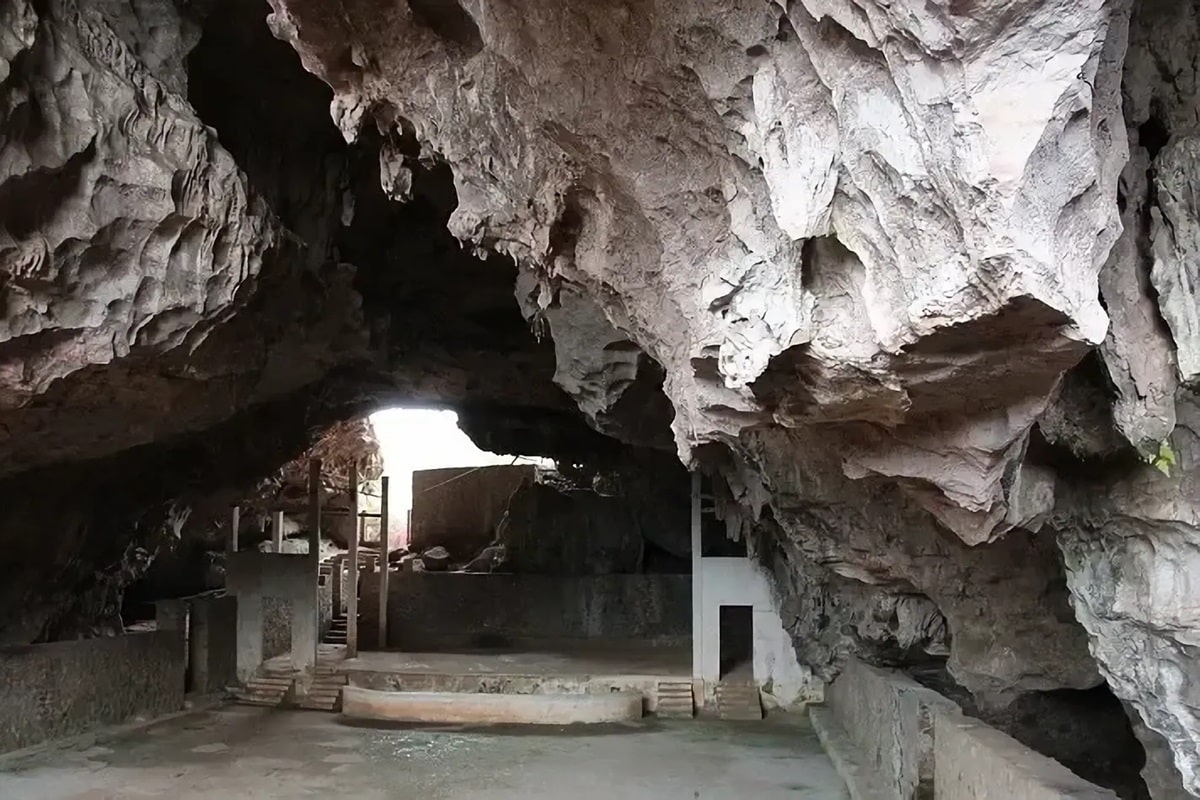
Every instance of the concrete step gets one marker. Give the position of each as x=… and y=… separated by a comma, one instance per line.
x=260, y=696
x=738, y=701
x=675, y=700
x=271, y=680
x=323, y=696
x=332, y=706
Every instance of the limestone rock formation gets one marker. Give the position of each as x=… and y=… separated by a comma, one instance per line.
x=1132, y=554
x=914, y=281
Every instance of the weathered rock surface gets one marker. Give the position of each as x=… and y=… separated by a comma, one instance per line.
x=840, y=253
x=753, y=172
x=1132, y=554
x=435, y=559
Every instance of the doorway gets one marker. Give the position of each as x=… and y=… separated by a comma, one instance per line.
x=737, y=641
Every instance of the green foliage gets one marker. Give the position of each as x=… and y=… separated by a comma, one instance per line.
x=1163, y=460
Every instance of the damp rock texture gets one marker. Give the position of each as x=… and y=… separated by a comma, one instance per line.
x=914, y=283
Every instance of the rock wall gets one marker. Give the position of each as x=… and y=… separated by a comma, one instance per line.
x=461, y=508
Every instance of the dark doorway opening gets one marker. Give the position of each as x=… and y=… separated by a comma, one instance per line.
x=737, y=641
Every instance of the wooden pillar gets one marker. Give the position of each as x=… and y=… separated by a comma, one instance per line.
x=235, y=524
x=277, y=532
x=383, y=564
x=698, y=620
x=312, y=625
x=352, y=584
x=314, y=512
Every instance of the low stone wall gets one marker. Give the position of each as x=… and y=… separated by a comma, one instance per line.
x=49, y=691
x=893, y=739
x=974, y=761
x=432, y=611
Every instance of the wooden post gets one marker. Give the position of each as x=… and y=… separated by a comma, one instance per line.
x=235, y=524
x=698, y=620
x=277, y=532
x=352, y=587
x=383, y=564
x=314, y=511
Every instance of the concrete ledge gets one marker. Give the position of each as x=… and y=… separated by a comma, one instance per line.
x=862, y=780
x=887, y=719
x=974, y=761
x=490, y=709
x=891, y=738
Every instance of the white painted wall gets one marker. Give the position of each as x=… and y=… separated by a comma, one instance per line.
x=741, y=582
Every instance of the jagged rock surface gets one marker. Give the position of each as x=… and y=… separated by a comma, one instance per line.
x=1132, y=553
x=748, y=190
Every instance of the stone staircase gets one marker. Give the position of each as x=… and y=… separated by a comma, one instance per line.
x=325, y=693
x=274, y=684
x=738, y=700
x=337, y=630
x=264, y=690
x=675, y=700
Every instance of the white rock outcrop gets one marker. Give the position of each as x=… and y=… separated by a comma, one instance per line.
x=909, y=206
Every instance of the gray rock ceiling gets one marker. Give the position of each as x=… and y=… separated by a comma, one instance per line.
x=916, y=281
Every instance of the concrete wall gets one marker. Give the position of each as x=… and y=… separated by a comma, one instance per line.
x=459, y=508
x=212, y=644
x=274, y=589
x=889, y=719
x=437, y=610
x=49, y=691
x=277, y=620
x=894, y=739
x=741, y=582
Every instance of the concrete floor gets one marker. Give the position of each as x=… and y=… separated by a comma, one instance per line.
x=267, y=755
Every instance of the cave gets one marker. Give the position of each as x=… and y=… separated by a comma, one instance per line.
x=857, y=343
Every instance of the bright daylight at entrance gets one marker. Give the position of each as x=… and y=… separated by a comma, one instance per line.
x=592, y=399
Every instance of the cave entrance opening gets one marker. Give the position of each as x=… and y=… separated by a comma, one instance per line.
x=516, y=571
x=736, y=636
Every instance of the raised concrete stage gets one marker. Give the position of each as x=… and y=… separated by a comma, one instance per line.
x=491, y=709
x=563, y=672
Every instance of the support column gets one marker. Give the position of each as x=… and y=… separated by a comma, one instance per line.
x=352, y=579
x=383, y=565
x=338, y=576
x=306, y=603
x=249, y=633
x=235, y=524
x=277, y=532
x=173, y=615
x=212, y=644
x=697, y=589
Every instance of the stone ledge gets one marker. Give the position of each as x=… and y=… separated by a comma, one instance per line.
x=862, y=781
x=490, y=709
x=974, y=761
